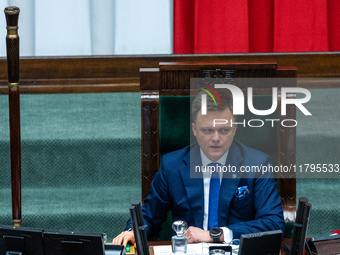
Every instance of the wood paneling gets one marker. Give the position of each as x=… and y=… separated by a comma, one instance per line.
x=121, y=73
x=81, y=85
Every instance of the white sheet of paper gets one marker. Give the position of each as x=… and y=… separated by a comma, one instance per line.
x=192, y=249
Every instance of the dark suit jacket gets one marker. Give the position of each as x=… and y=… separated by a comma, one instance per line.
x=173, y=189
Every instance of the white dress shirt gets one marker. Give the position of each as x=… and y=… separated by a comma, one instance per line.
x=228, y=234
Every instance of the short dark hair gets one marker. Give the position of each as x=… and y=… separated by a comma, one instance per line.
x=226, y=98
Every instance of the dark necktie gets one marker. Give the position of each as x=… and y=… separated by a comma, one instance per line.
x=214, y=194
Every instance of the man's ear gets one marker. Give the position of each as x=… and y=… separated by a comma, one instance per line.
x=194, y=130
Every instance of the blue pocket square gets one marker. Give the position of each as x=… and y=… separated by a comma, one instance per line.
x=241, y=192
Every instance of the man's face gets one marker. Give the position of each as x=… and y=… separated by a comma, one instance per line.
x=214, y=141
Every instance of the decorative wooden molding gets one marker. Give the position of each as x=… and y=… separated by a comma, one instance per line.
x=308, y=64
x=150, y=139
x=150, y=127
x=61, y=74
x=90, y=85
x=287, y=158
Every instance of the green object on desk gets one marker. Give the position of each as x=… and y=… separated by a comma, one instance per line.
x=127, y=249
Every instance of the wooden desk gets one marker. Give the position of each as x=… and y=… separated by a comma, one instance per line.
x=154, y=243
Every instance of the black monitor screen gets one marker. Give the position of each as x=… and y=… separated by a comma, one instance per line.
x=75, y=243
x=260, y=243
x=28, y=241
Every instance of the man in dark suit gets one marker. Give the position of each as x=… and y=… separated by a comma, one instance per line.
x=209, y=184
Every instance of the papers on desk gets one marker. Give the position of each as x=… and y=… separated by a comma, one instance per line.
x=192, y=249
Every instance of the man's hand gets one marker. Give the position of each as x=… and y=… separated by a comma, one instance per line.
x=197, y=235
x=124, y=237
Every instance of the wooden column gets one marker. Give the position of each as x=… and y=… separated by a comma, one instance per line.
x=149, y=84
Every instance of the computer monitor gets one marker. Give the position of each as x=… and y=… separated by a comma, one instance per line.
x=73, y=243
x=268, y=242
x=300, y=227
x=20, y=240
x=139, y=229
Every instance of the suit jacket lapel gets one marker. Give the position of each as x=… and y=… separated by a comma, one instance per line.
x=229, y=183
x=194, y=186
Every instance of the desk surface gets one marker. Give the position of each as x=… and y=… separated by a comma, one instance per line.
x=154, y=243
